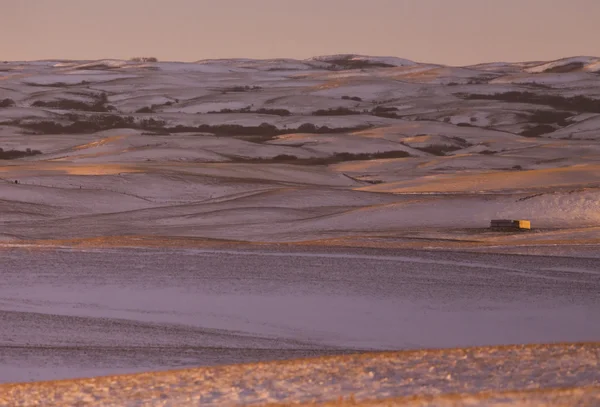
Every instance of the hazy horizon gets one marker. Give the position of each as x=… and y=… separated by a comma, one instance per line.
x=460, y=32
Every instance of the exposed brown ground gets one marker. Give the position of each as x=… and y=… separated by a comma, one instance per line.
x=583, y=397
x=525, y=375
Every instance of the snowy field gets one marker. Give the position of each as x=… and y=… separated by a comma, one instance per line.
x=162, y=214
x=72, y=312
x=329, y=148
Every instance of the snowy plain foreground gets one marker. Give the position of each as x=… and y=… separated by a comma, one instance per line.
x=184, y=214
x=87, y=312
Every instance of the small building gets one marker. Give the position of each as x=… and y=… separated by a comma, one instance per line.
x=509, y=224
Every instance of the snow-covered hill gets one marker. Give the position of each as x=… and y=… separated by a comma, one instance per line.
x=288, y=150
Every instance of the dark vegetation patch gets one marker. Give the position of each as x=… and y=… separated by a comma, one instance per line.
x=99, y=105
x=464, y=143
x=380, y=111
x=264, y=129
x=551, y=117
x=537, y=130
x=80, y=124
x=526, y=198
x=275, y=112
x=333, y=159
x=66, y=104
x=241, y=89
x=57, y=84
x=545, y=122
x=281, y=69
x=537, y=85
x=480, y=80
x=573, y=103
x=367, y=181
x=389, y=112
x=338, y=111
x=146, y=109
x=152, y=108
x=7, y=103
x=570, y=67
x=100, y=122
x=474, y=81
x=14, y=154
x=98, y=66
x=442, y=149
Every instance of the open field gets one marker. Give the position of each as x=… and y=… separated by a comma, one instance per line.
x=158, y=215
x=76, y=312
x=327, y=148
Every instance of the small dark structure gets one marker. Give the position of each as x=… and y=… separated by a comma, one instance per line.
x=509, y=224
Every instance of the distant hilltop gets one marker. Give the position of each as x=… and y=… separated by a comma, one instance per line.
x=336, y=62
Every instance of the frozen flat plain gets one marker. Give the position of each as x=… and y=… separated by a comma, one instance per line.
x=84, y=312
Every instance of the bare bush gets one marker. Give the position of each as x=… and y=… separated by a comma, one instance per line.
x=276, y=112
x=333, y=159
x=14, y=154
x=82, y=123
x=355, y=98
x=439, y=149
x=99, y=105
x=339, y=111
x=7, y=103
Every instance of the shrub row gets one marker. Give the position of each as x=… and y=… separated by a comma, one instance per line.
x=276, y=112
x=574, y=103
x=537, y=130
x=241, y=89
x=65, y=104
x=438, y=149
x=338, y=111
x=550, y=117
x=152, y=108
x=95, y=123
x=99, y=105
x=348, y=63
x=355, y=98
x=333, y=159
x=14, y=154
x=388, y=112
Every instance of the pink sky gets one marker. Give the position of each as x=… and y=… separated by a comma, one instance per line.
x=454, y=32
